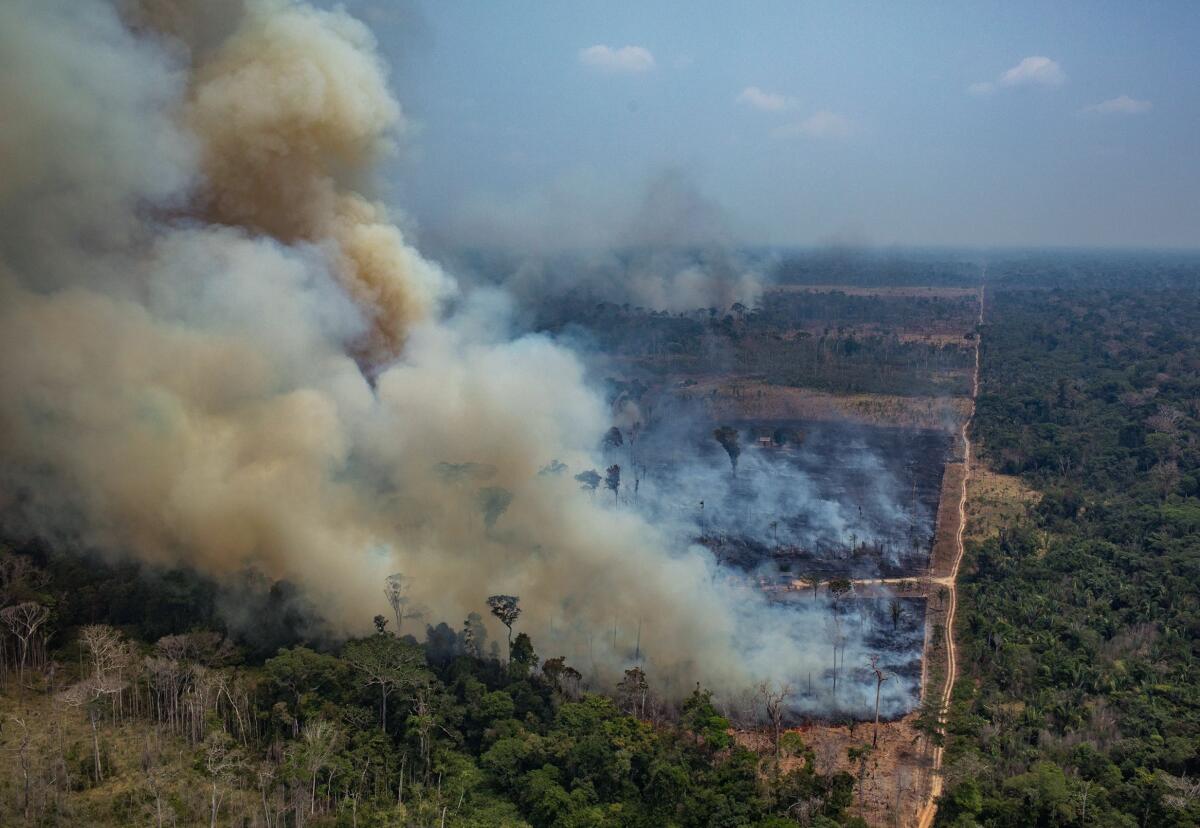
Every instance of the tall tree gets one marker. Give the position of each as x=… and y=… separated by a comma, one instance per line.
x=506, y=608
x=388, y=663
x=880, y=678
x=612, y=480
x=23, y=620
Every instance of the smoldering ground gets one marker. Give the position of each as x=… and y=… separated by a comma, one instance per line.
x=218, y=351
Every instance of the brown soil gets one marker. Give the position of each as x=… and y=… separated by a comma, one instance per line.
x=945, y=532
x=892, y=775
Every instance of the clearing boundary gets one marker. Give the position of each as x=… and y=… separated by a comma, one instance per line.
x=935, y=782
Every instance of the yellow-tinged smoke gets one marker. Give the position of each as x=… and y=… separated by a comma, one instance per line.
x=289, y=108
x=191, y=281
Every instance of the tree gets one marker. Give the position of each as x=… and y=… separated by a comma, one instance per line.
x=305, y=674
x=474, y=635
x=507, y=609
x=521, y=657
x=589, y=480
x=897, y=612
x=320, y=740
x=612, y=479
x=388, y=663
x=633, y=691
x=880, y=678
x=395, y=589
x=775, y=698
x=729, y=439
x=222, y=761
x=23, y=620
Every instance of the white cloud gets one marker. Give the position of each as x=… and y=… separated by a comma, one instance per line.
x=821, y=124
x=766, y=101
x=625, y=60
x=1035, y=70
x=1120, y=105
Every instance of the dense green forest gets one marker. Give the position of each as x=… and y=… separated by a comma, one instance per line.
x=129, y=701
x=1079, y=700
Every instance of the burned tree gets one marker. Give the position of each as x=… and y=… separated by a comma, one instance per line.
x=880, y=678
x=729, y=439
x=774, y=699
x=395, y=589
x=507, y=609
x=612, y=480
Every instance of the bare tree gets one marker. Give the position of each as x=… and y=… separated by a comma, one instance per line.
x=395, y=589
x=880, y=678
x=222, y=760
x=507, y=609
x=22, y=751
x=23, y=620
x=774, y=697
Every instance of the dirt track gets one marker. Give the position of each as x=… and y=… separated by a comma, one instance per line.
x=935, y=785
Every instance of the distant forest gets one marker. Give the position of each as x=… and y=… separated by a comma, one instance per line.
x=829, y=341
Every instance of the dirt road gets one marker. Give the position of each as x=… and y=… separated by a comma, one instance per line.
x=935, y=785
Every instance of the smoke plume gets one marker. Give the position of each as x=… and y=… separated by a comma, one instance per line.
x=217, y=351
x=668, y=247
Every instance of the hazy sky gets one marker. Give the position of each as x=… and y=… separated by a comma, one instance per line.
x=932, y=123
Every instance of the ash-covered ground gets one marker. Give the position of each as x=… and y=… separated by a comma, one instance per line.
x=808, y=500
x=891, y=629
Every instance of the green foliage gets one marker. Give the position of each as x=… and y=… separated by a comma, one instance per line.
x=1077, y=624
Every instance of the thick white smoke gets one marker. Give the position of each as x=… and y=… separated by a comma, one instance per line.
x=216, y=350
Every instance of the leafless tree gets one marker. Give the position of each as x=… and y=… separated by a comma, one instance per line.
x=22, y=752
x=774, y=697
x=23, y=620
x=395, y=589
x=222, y=760
x=880, y=678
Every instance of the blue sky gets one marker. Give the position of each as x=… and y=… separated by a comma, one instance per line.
x=956, y=123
